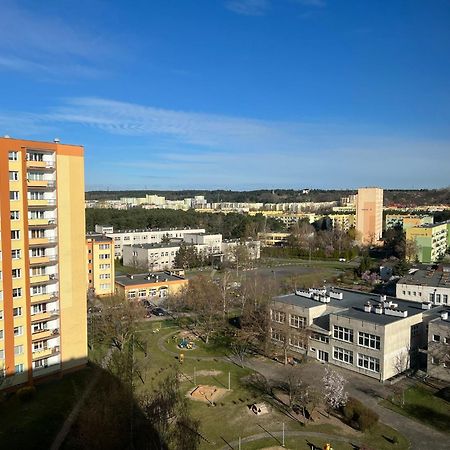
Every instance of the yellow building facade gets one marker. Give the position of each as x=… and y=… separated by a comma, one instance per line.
x=42, y=230
x=369, y=215
x=100, y=264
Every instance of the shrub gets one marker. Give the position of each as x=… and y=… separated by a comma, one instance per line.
x=26, y=393
x=367, y=419
x=359, y=416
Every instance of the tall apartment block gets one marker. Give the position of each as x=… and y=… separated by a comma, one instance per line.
x=43, y=259
x=100, y=267
x=369, y=215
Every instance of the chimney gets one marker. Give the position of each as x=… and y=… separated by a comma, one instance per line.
x=444, y=315
x=368, y=307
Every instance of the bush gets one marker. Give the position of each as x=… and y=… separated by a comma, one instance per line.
x=359, y=416
x=26, y=393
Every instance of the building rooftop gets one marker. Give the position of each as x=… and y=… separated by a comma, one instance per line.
x=353, y=304
x=147, y=278
x=148, y=230
x=156, y=245
x=431, y=275
x=98, y=237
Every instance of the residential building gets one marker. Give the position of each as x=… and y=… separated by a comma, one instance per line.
x=151, y=256
x=369, y=215
x=377, y=336
x=342, y=221
x=100, y=264
x=43, y=259
x=405, y=221
x=273, y=239
x=431, y=241
x=426, y=284
x=229, y=247
x=438, y=354
x=153, y=286
x=211, y=243
x=148, y=236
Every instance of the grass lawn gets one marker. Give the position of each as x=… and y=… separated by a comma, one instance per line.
x=34, y=424
x=421, y=404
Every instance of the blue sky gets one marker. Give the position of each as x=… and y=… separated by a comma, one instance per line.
x=235, y=94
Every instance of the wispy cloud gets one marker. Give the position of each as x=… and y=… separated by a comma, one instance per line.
x=248, y=7
x=48, y=44
x=316, y=3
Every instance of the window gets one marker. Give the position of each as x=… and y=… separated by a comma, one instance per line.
x=431, y=297
x=17, y=292
x=369, y=363
x=41, y=363
x=37, y=234
x=415, y=329
x=39, y=346
x=36, y=195
x=343, y=334
x=17, y=311
x=40, y=326
x=15, y=254
x=37, y=252
x=15, y=215
x=142, y=293
x=19, y=368
x=14, y=195
x=104, y=276
x=13, y=156
x=18, y=331
x=278, y=316
x=37, y=290
x=36, y=176
x=369, y=340
x=18, y=349
x=320, y=337
x=445, y=299
x=438, y=298
x=103, y=246
x=105, y=286
x=436, y=338
x=15, y=235
x=104, y=256
x=2, y=354
x=39, y=308
x=297, y=321
x=16, y=273
x=1, y=334
x=297, y=341
x=277, y=335
x=36, y=214
x=132, y=294
x=341, y=354
x=105, y=266
x=35, y=156
x=13, y=175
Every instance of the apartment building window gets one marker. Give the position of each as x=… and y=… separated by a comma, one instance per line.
x=445, y=299
x=297, y=341
x=2, y=354
x=104, y=276
x=39, y=346
x=13, y=156
x=35, y=157
x=13, y=175
x=18, y=349
x=17, y=292
x=18, y=368
x=106, y=256
x=18, y=331
x=105, y=286
x=37, y=252
x=36, y=195
x=16, y=273
x=132, y=294
x=438, y=298
x=278, y=316
x=368, y=362
x=320, y=337
x=415, y=330
x=103, y=246
x=15, y=215
x=431, y=297
x=36, y=176
x=369, y=340
x=342, y=333
x=1, y=334
x=277, y=335
x=41, y=363
x=37, y=290
x=40, y=326
x=15, y=235
x=436, y=338
x=39, y=308
x=341, y=354
x=14, y=195
x=142, y=293
x=15, y=254
x=37, y=234
x=17, y=311
x=153, y=292
x=33, y=215
x=297, y=321
x=1, y=314
x=37, y=271
x=105, y=266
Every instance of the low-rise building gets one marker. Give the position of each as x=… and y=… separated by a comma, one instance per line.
x=426, y=284
x=438, y=362
x=377, y=336
x=430, y=240
x=100, y=264
x=151, y=256
x=153, y=286
x=273, y=239
x=230, y=246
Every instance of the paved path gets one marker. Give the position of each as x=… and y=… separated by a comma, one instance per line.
x=369, y=392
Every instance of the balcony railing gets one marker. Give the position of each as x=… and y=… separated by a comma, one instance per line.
x=41, y=164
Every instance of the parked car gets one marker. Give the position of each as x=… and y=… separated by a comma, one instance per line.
x=158, y=312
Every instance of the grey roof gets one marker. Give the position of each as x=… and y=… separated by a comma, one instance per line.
x=98, y=237
x=155, y=245
x=142, y=278
x=149, y=230
x=432, y=275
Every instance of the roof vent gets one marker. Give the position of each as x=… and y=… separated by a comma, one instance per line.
x=56, y=140
x=7, y=136
x=444, y=315
x=426, y=305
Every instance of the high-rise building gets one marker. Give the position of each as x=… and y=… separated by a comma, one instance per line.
x=369, y=215
x=43, y=259
x=100, y=267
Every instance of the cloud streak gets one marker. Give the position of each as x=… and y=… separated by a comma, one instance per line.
x=248, y=7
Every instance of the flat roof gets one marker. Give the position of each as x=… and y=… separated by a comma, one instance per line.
x=155, y=245
x=352, y=306
x=143, y=278
x=148, y=230
x=98, y=237
x=431, y=275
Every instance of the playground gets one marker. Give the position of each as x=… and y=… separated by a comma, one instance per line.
x=207, y=394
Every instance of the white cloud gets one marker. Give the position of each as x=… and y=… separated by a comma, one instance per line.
x=248, y=7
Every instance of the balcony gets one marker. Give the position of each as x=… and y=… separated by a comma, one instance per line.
x=44, y=334
x=44, y=298
x=42, y=241
x=42, y=203
x=45, y=352
x=49, y=165
x=42, y=222
x=45, y=315
x=39, y=279
x=41, y=184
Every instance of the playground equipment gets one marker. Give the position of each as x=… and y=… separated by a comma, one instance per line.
x=186, y=344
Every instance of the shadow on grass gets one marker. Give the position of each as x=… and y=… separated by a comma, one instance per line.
x=429, y=416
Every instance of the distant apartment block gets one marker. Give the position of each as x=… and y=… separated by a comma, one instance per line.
x=405, y=221
x=100, y=264
x=132, y=237
x=42, y=259
x=342, y=221
x=369, y=215
x=426, y=284
x=273, y=239
x=431, y=241
x=153, y=286
x=373, y=335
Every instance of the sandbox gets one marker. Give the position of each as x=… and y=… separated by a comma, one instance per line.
x=207, y=394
